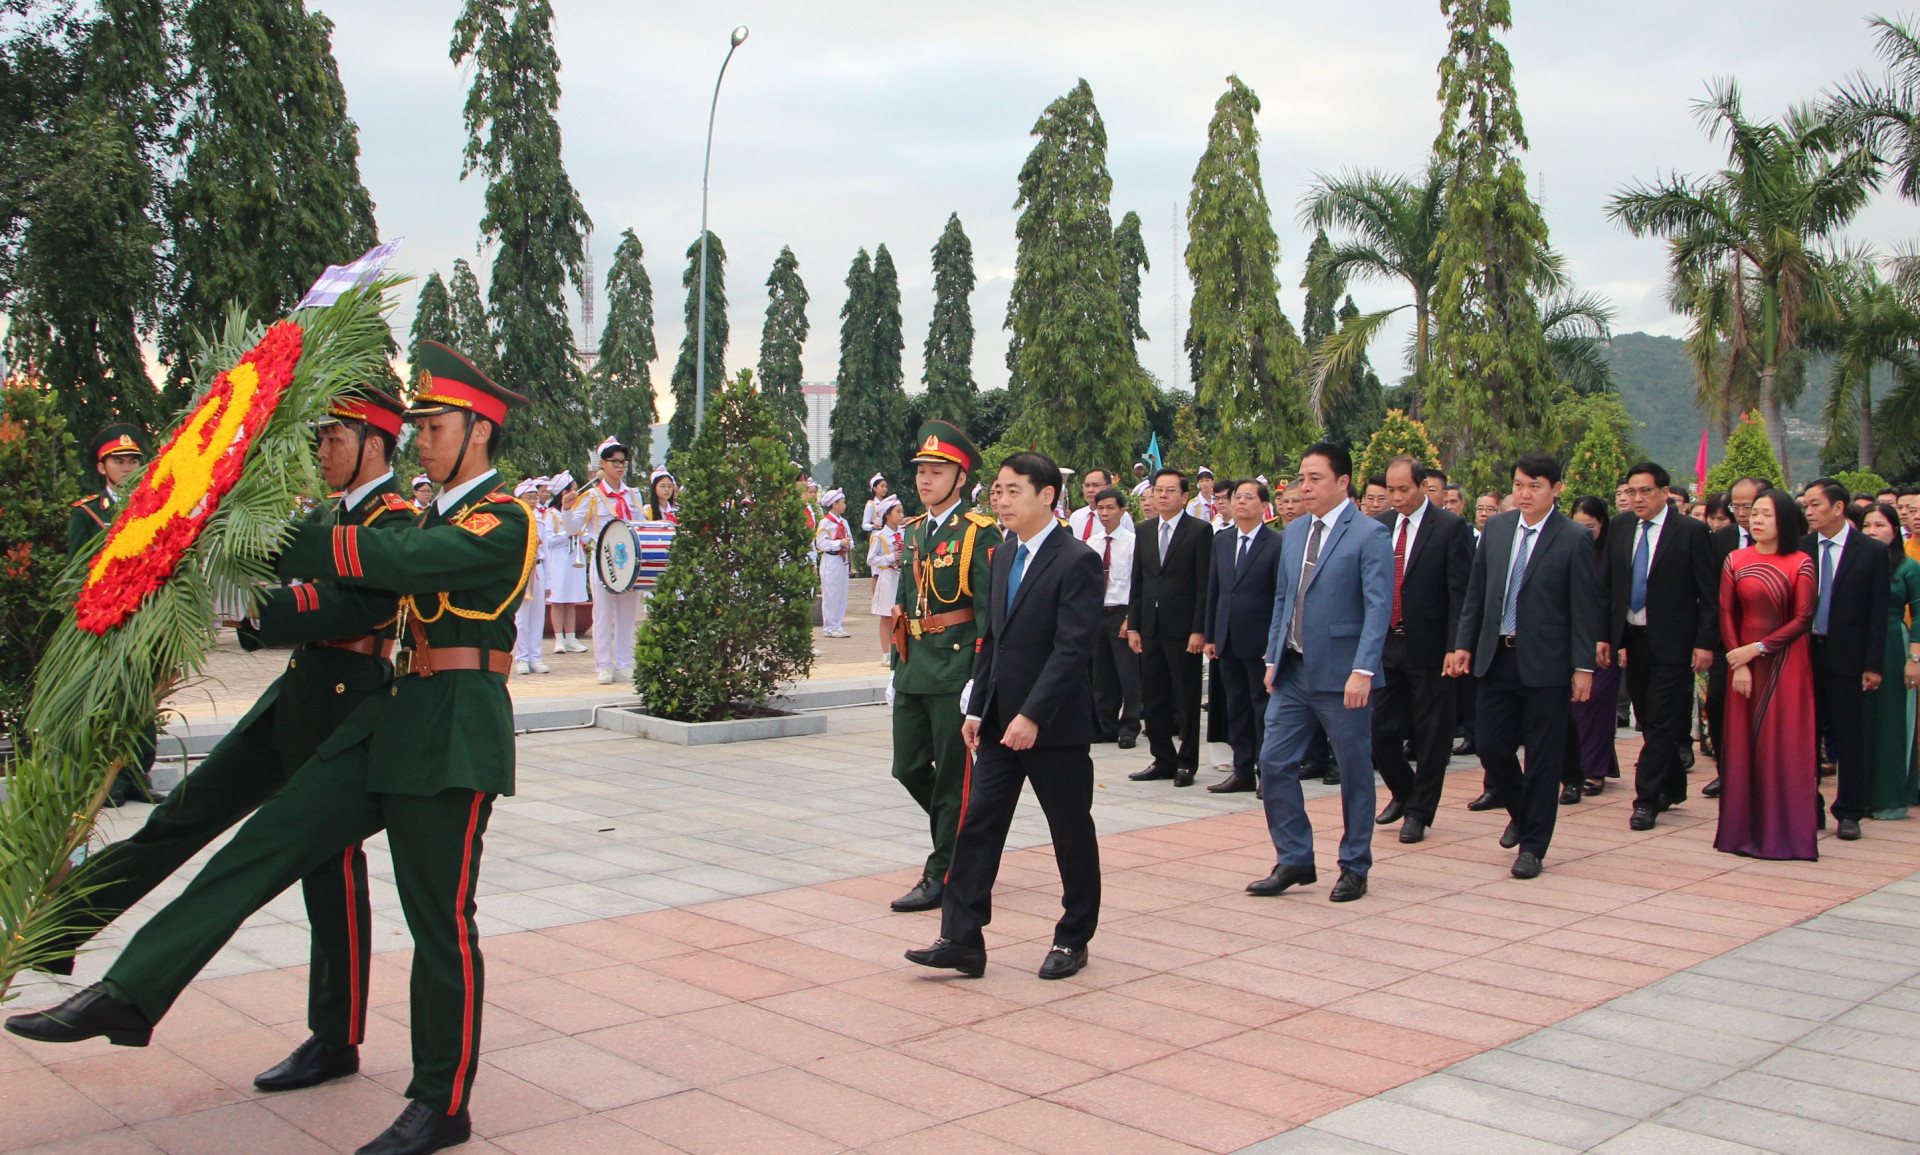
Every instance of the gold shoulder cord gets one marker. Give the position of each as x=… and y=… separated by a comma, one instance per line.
x=446, y=603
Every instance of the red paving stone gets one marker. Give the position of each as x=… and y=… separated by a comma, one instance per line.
x=789, y=1023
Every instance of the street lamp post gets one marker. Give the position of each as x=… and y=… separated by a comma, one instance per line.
x=700, y=357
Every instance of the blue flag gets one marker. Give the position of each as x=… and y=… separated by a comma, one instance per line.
x=1153, y=450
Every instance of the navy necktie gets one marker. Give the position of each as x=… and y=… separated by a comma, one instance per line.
x=1013, y=578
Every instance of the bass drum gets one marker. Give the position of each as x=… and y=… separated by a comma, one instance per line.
x=617, y=559
x=656, y=542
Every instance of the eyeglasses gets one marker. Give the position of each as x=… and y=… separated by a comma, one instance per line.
x=1741, y=506
x=1641, y=491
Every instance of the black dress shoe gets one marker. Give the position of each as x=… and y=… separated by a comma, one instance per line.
x=1062, y=961
x=1153, y=773
x=312, y=1063
x=1128, y=741
x=1352, y=885
x=91, y=1013
x=1849, y=830
x=947, y=955
x=1527, y=865
x=1231, y=784
x=1711, y=789
x=421, y=1129
x=1686, y=756
x=1464, y=750
x=925, y=896
x=1569, y=795
x=1332, y=776
x=1312, y=772
x=1394, y=812
x=1642, y=818
x=1486, y=801
x=1510, y=837
x=1281, y=878
x=1593, y=786
x=1413, y=829
x=1183, y=776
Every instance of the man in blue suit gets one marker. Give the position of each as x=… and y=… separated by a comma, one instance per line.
x=1246, y=555
x=1333, y=597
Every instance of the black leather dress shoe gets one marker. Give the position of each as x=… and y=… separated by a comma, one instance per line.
x=925, y=896
x=1487, y=801
x=312, y=1063
x=1510, y=837
x=1642, y=818
x=1128, y=741
x=1848, y=830
x=1332, y=776
x=1153, y=773
x=1413, y=829
x=1711, y=789
x=1394, y=812
x=1062, y=961
x=420, y=1129
x=947, y=955
x=91, y=1013
x=1352, y=885
x=1281, y=878
x=1464, y=750
x=1527, y=865
x=1231, y=784
x=1570, y=794
x=1312, y=772
x=1183, y=776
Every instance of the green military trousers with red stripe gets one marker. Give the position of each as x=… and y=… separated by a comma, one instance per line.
x=324, y=810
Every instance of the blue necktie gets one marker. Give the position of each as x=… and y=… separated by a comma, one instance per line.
x=1637, y=599
x=1517, y=577
x=1826, y=586
x=1013, y=578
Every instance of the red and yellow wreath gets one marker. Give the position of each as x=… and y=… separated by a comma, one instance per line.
x=167, y=510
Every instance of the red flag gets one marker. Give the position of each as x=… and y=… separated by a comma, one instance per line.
x=1700, y=466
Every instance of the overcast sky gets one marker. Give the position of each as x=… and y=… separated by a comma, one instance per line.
x=846, y=123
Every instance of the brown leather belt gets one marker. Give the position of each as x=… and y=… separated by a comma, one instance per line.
x=433, y=660
x=935, y=623
x=372, y=645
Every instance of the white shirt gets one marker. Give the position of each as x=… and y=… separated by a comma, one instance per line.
x=1033, y=543
x=1207, y=509
x=1145, y=484
x=1163, y=534
x=936, y=520
x=1519, y=535
x=1086, y=524
x=1326, y=521
x=451, y=497
x=1412, y=522
x=1839, y=540
x=356, y=496
x=1651, y=527
x=1120, y=562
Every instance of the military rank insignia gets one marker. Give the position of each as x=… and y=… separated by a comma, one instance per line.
x=480, y=524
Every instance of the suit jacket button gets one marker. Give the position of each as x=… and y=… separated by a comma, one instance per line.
x=339, y=687
x=293, y=663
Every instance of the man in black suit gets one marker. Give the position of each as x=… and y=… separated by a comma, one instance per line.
x=1166, y=626
x=1029, y=718
x=1432, y=554
x=1527, y=636
x=1849, y=640
x=1239, y=616
x=1725, y=542
x=1660, y=611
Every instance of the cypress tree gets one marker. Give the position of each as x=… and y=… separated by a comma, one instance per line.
x=781, y=340
x=1130, y=249
x=948, y=363
x=270, y=193
x=1082, y=394
x=533, y=215
x=1247, y=361
x=432, y=317
x=622, y=383
x=684, y=382
x=868, y=409
x=1319, y=318
x=1492, y=376
x=470, y=333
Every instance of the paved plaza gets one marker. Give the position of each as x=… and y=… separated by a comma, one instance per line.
x=690, y=950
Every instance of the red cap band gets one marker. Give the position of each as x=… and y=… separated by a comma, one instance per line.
x=120, y=444
x=360, y=409
x=460, y=395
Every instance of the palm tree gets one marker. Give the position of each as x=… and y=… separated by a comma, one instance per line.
x=1868, y=323
x=1749, y=232
x=1578, y=327
x=1885, y=117
x=1396, y=223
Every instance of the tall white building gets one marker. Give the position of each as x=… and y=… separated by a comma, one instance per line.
x=820, y=398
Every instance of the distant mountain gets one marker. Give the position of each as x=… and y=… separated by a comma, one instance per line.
x=1656, y=382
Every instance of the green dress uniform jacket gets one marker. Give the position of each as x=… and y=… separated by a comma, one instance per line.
x=91, y=515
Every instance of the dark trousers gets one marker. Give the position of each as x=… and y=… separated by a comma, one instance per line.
x=324, y=809
x=1512, y=714
x=1170, y=683
x=1466, y=692
x=1116, y=679
x=1840, y=708
x=1419, y=704
x=1716, y=707
x=1662, y=694
x=241, y=773
x=930, y=760
x=1243, y=684
x=1062, y=778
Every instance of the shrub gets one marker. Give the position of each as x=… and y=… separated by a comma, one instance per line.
x=37, y=488
x=1748, y=455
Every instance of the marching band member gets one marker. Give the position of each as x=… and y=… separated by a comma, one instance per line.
x=609, y=498
x=1206, y=506
x=566, y=569
x=832, y=542
x=662, y=489
x=550, y=538
x=885, y=552
x=422, y=492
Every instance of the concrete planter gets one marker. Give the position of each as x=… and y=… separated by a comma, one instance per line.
x=632, y=721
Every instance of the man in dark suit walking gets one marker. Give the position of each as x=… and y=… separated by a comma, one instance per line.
x=1725, y=542
x=1432, y=554
x=1661, y=615
x=1527, y=636
x=1029, y=718
x=1166, y=626
x=1239, y=614
x=1849, y=640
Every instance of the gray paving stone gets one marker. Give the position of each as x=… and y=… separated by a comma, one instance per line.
x=1858, y=1108
x=1412, y=1131
x=1843, y=1072
x=1516, y=1112
x=1657, y=1139
x=1873, y=1046
x=1655, y=1034
x=1312, y=1141
x=1739, y=1018
x=1612, y=1056
x=1817, y=935
x=1742, y=967
x=1568, y=1083
x=1770, y=1000
x=1774, y=1131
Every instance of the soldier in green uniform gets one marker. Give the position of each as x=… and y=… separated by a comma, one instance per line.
x=423, y=761
x=117, y=452
x=943, y=593
x=323, y=683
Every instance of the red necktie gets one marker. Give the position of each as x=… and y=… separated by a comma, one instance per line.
x=1399, y=568
x=1086, y=531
